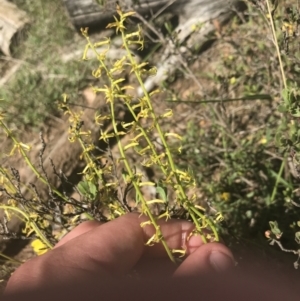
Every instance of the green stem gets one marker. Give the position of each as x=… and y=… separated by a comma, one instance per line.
x=89, y=160
x=216, y=235
x=32, y=224
x=125, y=161
x=183, y=196
x=27, y=160
x=274, y=192
x=12, y=260
x=135, y=184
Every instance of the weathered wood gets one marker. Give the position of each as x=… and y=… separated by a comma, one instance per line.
x=13, y=23
x=92, y=14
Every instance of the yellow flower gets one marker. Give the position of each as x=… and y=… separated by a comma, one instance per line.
x=263, y=140
x=232, y=80
x=225, y=196
x=39, y=247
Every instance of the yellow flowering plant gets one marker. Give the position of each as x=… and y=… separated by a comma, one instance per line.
x=99, y=187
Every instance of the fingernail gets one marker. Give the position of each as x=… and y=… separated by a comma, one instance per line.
x=220, y=262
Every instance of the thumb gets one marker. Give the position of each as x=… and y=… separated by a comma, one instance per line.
x=207, y=258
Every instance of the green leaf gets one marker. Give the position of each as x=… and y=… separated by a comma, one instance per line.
x=295, y=112
x=278, y=138
x=83, y=187
x=282, y=108
x=280, y=179
x=93, y=189
x=286, y=95
x=88, y=189
x=162, y=192
x=274, y=229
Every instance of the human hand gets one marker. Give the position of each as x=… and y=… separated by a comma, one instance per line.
x=99, y=262
x=112, y=250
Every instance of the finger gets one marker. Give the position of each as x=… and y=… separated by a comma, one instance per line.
x=107, y=250
x=80, y=229
x=119, y=245
x=155, y=257
x=175, y=233
x=83, y=259
x=208, y=258
x=194, y=264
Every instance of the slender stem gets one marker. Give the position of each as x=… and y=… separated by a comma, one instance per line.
x=89, y=160
x=10, y=259
x=274, y=192
x=125, y=161
x=32, y=224
x=213, y=228
x=27, y=160
x=276, y=44
x=183, y=196
x=285, y=87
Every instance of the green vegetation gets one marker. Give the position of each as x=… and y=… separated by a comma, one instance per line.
x=244, y=146
x=42, y=76
x=235, y=169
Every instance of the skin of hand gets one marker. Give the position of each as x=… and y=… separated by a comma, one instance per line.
x=111, y=262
